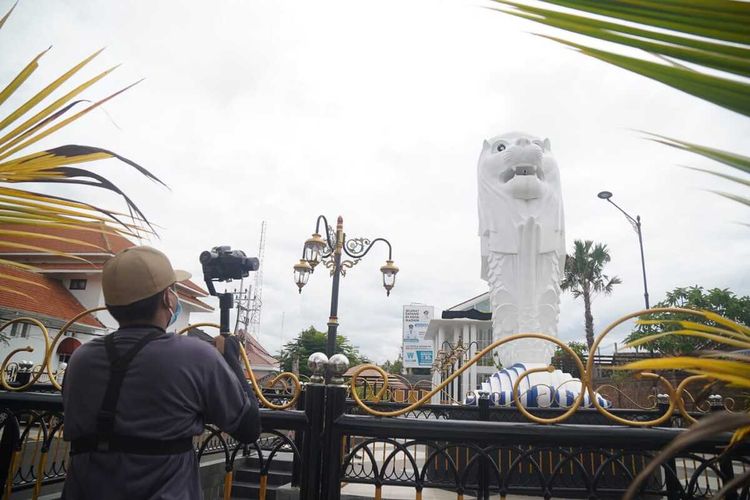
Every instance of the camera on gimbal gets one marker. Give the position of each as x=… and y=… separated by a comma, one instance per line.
x=224, y=264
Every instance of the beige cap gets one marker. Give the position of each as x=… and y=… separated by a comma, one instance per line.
x=137, y=273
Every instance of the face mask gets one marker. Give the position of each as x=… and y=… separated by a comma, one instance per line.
x=177, y=309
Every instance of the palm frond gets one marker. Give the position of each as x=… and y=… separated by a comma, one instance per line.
x=44, y=236
x=734, y=160
x=728, y=177
x=722, y=339
x=22, y=76
x=734, y=197
x=718, y=318
x=10, y=277
x=5, y=152
x=725, y=50
x=707, y=427
x=46, y=91
x=38, y=117
x=7, y=15
x=692, y=325
x=700, y=47
x=18, y=265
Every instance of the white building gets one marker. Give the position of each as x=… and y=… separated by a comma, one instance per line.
x=469, y=324
x=64, y=287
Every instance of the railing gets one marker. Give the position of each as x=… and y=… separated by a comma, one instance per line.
x=468, y=450
x=33, y=453
x=340, y=445
x=489, y=458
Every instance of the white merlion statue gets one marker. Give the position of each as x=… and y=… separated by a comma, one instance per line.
x=522, y=233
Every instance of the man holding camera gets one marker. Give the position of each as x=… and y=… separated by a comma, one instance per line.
x=134, y=399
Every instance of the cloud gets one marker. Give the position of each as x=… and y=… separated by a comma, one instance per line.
x=280, y=111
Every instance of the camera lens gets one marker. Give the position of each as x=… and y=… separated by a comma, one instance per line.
x=205, y=257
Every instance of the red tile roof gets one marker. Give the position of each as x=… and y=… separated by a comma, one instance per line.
x=67, y=266
x=105, y=242
x=50, y=299
x=256, y=353
x=108, y=243
x=193, y=300
x=200, y=292
x=191, y=295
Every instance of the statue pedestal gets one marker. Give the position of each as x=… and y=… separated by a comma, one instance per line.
x=538, y=390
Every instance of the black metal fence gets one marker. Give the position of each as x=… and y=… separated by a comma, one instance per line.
x=471, y=451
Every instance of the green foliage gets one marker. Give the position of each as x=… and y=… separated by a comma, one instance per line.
x=396, y=366
x=584, y=277
x=562, y=360
x=719, y=301
x=310, y=341
x=618, y=377
x=580, y=348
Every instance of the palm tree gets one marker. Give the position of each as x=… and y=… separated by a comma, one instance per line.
x=44, y=113
x=584, y=277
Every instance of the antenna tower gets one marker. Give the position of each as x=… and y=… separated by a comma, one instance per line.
x=256, y=292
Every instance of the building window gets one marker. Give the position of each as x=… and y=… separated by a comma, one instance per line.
x=20, y=330
x=484, y=338
x=78, y=284
x=63, y=358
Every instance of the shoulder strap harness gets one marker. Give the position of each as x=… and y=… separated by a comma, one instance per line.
x=105, y=439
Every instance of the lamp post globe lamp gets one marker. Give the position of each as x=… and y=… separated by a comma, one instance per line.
x=389, y=271
x=302, y=272
x=313, y=250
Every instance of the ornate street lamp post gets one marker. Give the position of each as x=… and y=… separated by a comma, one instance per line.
x=636, y=223
x=329, y=251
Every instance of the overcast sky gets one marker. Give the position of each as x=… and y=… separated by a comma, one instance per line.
x=283, y=110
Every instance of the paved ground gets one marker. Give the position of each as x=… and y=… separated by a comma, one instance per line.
x=361, y=491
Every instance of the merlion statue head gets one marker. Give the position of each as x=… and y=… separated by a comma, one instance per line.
x=518, y=179
x=514, y=164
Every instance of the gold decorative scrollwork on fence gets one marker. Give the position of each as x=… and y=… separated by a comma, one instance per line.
x=281, y=377
x=49, y=347
x=682, y=389
x=675, y=395
x=620, y=393
x=59, y=335
x=34, y=376
x=424, y=399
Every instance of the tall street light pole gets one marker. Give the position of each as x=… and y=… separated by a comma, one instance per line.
x=636, y=223
x=329, y=251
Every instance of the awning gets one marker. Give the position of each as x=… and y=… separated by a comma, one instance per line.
x=470, y=314
x=68, y=345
